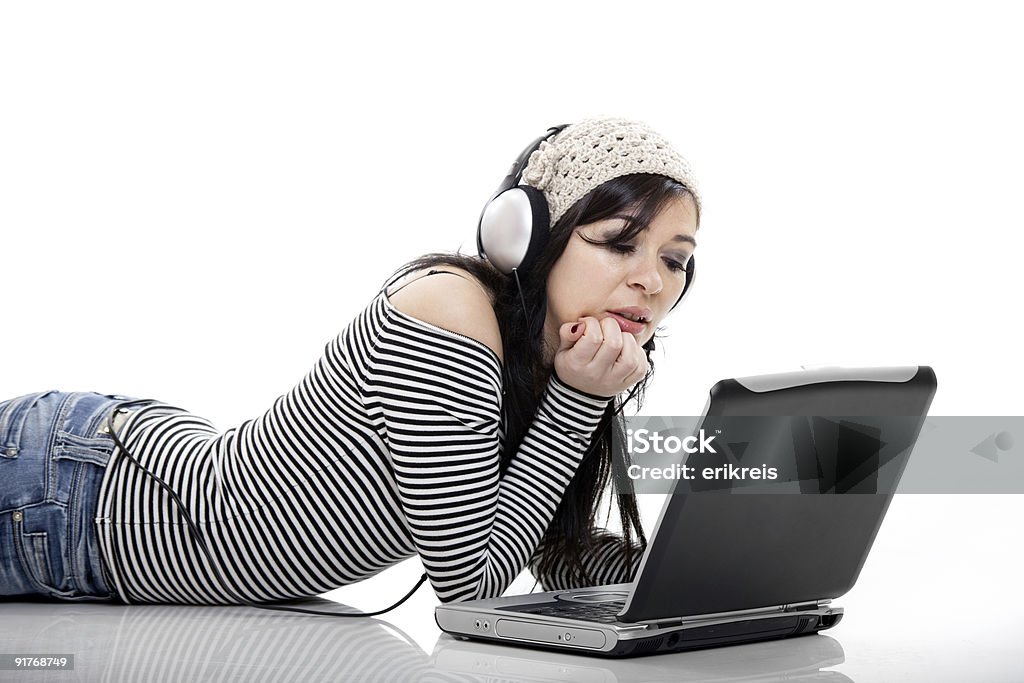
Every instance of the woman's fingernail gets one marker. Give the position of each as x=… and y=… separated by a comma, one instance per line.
x=572, y=330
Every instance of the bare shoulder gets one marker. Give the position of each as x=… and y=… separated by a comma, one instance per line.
x=458, y=302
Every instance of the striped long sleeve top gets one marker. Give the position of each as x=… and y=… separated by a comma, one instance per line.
x=388, y=447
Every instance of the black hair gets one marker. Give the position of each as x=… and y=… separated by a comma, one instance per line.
x=573, y=531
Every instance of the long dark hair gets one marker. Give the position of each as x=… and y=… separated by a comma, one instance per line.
x=573, y=530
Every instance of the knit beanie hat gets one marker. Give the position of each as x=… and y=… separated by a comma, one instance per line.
x=594, y=151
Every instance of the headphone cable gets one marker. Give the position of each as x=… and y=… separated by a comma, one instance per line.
x=201, y=541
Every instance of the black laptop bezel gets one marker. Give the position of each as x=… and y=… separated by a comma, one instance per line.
x=820, y=542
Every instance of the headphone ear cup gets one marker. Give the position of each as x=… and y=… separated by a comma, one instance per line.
x=691, y=273
x=513, y=228
x=541, y=228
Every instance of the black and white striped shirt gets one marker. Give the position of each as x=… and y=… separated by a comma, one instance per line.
x=388, y=447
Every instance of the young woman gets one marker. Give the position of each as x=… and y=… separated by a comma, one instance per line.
x=465, y=415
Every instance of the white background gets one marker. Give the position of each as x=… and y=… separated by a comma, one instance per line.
x=195, y=197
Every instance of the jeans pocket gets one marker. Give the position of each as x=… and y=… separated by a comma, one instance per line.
x=24, y=435
x=33, y=549
x=12, y=419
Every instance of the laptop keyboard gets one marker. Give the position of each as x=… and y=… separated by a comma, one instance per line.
x=601, y=612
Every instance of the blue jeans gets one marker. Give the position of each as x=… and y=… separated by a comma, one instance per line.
x=54, y=450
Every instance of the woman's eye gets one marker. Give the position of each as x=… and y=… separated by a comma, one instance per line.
x=625, y=248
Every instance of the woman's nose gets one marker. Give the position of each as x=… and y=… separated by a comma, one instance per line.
x=646, y=275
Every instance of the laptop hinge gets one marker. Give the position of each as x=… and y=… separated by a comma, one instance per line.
x=793, y=607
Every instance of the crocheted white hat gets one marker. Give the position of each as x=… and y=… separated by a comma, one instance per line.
x=594, y=151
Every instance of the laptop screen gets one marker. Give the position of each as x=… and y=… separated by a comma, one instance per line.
x=841, y=444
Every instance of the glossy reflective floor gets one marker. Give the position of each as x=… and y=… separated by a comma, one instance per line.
x=938, y=600
x=172, y=643
x=184, y=643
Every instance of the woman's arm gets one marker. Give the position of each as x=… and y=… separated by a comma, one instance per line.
x=437, y=394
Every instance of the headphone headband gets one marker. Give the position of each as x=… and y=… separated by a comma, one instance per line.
x=515, y=173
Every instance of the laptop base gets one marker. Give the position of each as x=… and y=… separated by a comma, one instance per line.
x=631, y=640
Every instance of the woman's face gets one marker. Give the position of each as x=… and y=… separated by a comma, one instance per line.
x=643, y=276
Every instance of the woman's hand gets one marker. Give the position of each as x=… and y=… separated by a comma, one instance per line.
x=597, y=357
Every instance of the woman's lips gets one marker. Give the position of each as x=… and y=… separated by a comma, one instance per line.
x=627, y=325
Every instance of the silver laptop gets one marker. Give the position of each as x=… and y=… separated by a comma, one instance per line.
x=732, y=562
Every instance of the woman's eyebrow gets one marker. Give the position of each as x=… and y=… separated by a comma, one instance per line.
x=676, y=238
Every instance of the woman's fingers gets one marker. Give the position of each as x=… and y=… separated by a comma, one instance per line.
x=598, y=357
x=590, y=343
x=632, y=363
x=569, y=334
x=611, y=347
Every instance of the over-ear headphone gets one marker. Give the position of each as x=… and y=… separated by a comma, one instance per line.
x=514, y=224
x=513, y=227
